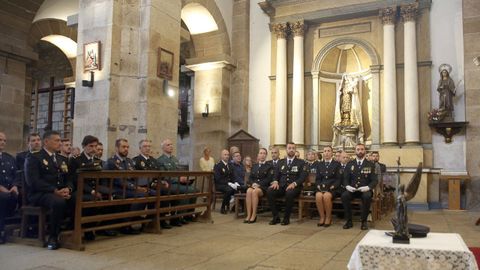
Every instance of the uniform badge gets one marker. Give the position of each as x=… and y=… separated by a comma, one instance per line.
x=223, y=170
x=142, y=163
x=83, y=164
x=294, y=169
x=45, y=162
x=64, y=167
x=283, y=167
x=353, y=168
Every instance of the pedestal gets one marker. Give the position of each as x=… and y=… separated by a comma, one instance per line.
x=454, y=184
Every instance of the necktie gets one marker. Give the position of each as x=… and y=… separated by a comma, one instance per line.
x=359, y=163
x=289, y=162
x=327, y=163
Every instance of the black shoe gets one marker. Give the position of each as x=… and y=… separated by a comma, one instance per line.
x=107, y=232
x=223, y=211
x=274, y=221
x=253, y=221
x=183, y=221
x=246, y=221
x=129, y=230
x=348, y=225
x=190, y=218
x=165, y=225
x=364, y=226
x=233, y=209
x=89, y=236
x=285, y=222
x=3, y=237
x=52, y=243
x=175, y=222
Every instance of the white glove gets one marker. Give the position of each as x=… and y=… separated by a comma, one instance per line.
x=232, y=185
x=255, y=185
x=364, y=189
x=350, y=188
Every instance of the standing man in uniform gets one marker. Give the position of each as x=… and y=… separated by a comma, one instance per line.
x=8, y=186
x=359, y=180
x=288, y=179
x=46, y=174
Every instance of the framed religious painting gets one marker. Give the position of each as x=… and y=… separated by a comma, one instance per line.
x=165, y=64
x=91, y=56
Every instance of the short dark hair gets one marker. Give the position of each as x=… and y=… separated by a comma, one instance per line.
x=65, y=140
x=118, y=141
x=290, y=143
x=100, y=143
x=358, y=144
x=34, y=134
x=88, y=140
x=328, y=146
x=375, y=152
x=50, y=133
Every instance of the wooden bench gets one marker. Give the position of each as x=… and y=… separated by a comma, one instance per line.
x=202, y=182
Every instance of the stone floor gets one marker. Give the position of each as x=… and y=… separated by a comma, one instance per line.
x=229, y=244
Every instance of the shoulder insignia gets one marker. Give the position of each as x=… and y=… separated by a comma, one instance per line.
x=45, y=162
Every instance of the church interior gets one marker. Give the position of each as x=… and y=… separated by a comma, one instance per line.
x=401, y=77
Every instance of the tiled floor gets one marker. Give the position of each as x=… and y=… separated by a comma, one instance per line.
x=229, y=244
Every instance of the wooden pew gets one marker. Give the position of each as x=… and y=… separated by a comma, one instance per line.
x=202, y=181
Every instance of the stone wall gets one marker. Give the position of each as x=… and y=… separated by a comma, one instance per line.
x=471, y=37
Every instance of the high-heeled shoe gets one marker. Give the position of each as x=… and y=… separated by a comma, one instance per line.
x=246, y=221
x=321, y=223
x=253, y=221
x=327, y=224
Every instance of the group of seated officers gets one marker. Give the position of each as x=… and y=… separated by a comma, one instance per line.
x=51, y=181
x=284, y=178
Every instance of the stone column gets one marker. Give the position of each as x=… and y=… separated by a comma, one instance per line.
x=389, y=99
x=298, y=95
x=412, y=132
x=280, y=137
x=314, y=121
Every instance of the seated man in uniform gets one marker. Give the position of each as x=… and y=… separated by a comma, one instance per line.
x=34, y=143
x=224, y=179
x=8, y=186
x=46, y=174
x=288, y=179
x=121, y=162
x=359, y=179
x=181, y=185
x=144, y=161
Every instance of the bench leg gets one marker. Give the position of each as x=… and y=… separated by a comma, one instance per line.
x=237, y=206
x=300, y=210
x=41, y=226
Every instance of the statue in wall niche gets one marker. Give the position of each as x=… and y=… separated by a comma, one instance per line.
x=446, y=90
x=348, y=124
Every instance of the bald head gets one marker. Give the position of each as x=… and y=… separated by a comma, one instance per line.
x=167, y=147
x=225, y=155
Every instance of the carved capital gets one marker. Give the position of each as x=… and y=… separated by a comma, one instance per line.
x=280, y=29
x=409, y=12
x=388, y=15
x=298, y=28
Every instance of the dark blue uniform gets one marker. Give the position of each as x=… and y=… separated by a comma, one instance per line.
x=8, y=179
x=262, y=175
x=116, y=163
x=287, y=173
x=328, y=177
x=358, y=175
x=44, y=174
x=223, y=174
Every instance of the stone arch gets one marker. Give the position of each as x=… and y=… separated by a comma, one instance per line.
x=369, y=49
x=219, y=37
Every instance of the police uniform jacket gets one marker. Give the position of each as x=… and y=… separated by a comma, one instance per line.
x=8, y=171
x=360, y=176
x=44, y=175
x=223, y=174
x=261, y=175
x=143, y=163
x=82, y=162
x=328, y=175
x=285, y=174
x=312, y=167
x=273, y=163
x=117, y=163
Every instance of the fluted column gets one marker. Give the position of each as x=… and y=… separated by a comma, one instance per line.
x=314, y=119
x=298, y=95
x=412, y=122
x=389, y=100
x=280, y=136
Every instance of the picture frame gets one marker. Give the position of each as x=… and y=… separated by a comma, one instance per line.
x=92, y=56
x=165, y=64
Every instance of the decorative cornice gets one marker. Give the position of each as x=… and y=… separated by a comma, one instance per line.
x=267, y=7
x=388, y=15
x=280, y=29
x=298, y=28
x=409, y=12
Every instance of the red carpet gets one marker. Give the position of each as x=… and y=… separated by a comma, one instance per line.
x=476, y=252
